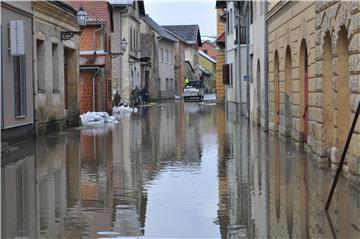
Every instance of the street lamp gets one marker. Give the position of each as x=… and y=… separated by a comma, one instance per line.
x=81, y=17
x=123, y=45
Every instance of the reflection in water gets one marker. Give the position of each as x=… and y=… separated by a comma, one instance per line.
x=172, y=170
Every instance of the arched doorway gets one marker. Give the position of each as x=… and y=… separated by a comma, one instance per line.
x=288, y=91
x=304, y=90
x=258, y=94
x=342, y=88
x=328, y=114
x=276, y=92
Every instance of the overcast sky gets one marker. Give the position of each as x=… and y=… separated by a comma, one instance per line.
x=180, y=12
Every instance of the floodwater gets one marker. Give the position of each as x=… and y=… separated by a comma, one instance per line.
x=174, y=170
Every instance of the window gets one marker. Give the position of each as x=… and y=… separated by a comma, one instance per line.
x=227, y=74
x=167, y=83
x=55, y=68
x=205, y=51
x=166, y=56
x=40, y=65
x=19, y=64
x=171, y=57
x=242, y=34
x=161, y=55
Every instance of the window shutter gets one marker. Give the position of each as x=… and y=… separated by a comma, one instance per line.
x=226, y=70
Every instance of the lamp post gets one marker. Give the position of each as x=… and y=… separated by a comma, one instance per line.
x=81, y=17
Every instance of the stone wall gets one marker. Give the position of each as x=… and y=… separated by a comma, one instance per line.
x=337, y=41
x=320, y=112
x=290, y=26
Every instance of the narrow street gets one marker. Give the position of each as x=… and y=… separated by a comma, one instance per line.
x=172, y=170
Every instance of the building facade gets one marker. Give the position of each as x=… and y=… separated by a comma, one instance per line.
x=56, y=66
x=313, y=76
x=258, y=80
x=17, y=114
x=220, y=56
x=95, y=58
x=237, y=51
x=190, y=35
x=165, y=57
x=334, y=93
x=126, y=65
x=207, y=67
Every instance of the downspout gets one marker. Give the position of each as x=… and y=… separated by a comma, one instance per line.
x=94, y=47
x=238, y=66
x=158, y=39
x=94, y=87
x=266, y=86
x=94, y=36
x=248, y=61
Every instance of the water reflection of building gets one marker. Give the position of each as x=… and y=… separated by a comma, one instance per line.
x=243, y=181
x=18, y=200
x=127, y=178
x=51, y=185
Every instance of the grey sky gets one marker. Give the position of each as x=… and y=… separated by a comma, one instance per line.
x=177, y=12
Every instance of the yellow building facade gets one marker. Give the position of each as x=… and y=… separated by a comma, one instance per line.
x=314, y=75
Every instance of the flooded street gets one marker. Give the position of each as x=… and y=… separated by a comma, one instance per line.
x=173, y=170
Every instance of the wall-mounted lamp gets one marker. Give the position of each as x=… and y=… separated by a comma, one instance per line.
x=123, y=45
x=123, y=49
x=81, y=17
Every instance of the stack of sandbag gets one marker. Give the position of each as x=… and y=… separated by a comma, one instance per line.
x=97, y=119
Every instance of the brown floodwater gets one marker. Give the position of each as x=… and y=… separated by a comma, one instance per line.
x=173, y=170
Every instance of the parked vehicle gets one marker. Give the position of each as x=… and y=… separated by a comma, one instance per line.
x=194, y=90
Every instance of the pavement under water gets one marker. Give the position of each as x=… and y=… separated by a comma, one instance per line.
x=173, y=170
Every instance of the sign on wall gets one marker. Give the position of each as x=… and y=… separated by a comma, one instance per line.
x=17, y=44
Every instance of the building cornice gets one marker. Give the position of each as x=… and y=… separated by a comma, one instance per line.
x=17, y=8
x=279, y=8
x=51, y=13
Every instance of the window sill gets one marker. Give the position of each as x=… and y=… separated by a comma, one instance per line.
x=56, y=91
x=20, y=117
x=41, y=91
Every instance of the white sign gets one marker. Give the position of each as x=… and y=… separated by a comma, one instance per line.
x=17, y=44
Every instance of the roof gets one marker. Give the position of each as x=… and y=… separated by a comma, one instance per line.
x=158, y=29
x=212, y=43
x=187, y=33
x=207, y=56
x=97, y=10
x=124, y=3
x=92, y=60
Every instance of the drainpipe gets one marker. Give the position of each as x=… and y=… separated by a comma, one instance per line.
x=238, y=66
x=158, y=39
x=266, y=86
x=248, y=60
x=94, y=36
